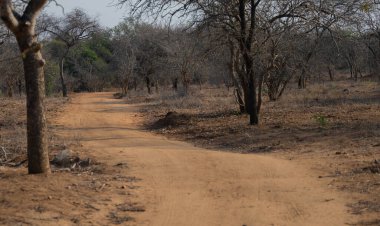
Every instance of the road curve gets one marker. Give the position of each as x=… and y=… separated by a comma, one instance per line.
x=185, y=185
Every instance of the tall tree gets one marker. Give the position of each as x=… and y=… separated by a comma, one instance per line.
x=23, y=25
x=250, y=24
x=75, y=27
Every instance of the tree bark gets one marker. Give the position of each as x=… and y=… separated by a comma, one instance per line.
x=23, y=27
x=62, y=78
x=38, y=157
x=252, y=101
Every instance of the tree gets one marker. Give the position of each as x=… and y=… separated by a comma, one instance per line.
x=250, y=26
x=124, y=57
x=183, y=56
x=23, y=25
x=75, y=27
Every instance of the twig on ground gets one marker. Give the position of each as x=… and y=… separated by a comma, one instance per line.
x=14, y=165
x=5, y=154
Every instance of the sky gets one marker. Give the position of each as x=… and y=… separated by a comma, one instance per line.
x=107, y=15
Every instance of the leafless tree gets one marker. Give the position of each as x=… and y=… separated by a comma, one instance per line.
x=124, y=56
x=251, y=26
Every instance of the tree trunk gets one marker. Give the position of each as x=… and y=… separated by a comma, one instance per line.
x=252, y=101
x=23, y=27
x=147, y=80
x=233, y=74
x=246, y=98
x=253, y=114
x=185, y=82
x=302, y=80
x=156, y=86
x=331, y=72
x=135, y=84
x=9, y=88
x=38, y=158
x=63, y=84
x=19, y=84
x=260, y=94
x=175, y=84
x=124, y=86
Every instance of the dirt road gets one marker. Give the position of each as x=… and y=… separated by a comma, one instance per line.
x=146, y=179
x=184, y=185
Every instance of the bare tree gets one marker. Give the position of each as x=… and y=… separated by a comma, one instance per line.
x=183, y=56
x=23, y=25
x=124, y=57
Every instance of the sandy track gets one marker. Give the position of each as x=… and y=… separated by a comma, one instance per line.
x=185, y=185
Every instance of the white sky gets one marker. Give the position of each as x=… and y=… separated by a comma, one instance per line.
x=107, y=14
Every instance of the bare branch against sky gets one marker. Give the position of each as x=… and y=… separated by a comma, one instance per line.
x=108, y=14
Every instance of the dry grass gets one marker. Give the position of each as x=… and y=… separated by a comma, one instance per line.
x=13, y=126
x=333, y=128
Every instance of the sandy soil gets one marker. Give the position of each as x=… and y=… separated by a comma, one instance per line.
x=331, y=128
x=146, y=179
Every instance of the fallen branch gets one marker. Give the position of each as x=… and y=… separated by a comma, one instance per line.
x=5, y=154
x=13, y=165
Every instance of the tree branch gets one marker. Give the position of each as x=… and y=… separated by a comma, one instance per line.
x=8, y=15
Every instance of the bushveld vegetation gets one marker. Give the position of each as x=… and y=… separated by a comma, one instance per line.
x=294, y=77
x=256, y=48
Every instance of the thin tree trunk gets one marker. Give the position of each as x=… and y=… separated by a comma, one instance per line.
x=135, y=84
x=260, y=93
x=232, y=66
x=9, y=88
x=147, y=80
x=302, y=80
x=175, y=84
x=331, y=72
x=253, y=115
x=185, y=82
x=63, y=84
x=19, y=84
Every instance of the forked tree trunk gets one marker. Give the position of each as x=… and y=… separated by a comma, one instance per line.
x=23, y=27
x=38, y=158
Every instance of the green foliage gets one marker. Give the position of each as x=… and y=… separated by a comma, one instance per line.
x=88, y=54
